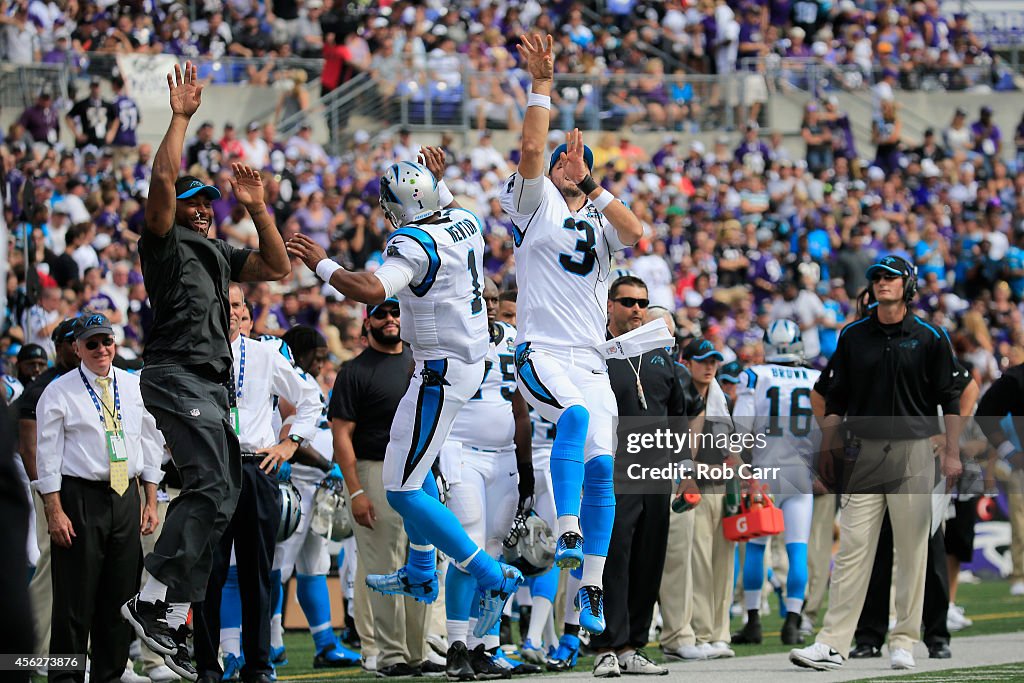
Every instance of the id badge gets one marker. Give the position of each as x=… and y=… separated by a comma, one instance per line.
x=117, y=449
x=234, y=421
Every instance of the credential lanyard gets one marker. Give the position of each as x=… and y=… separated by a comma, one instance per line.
x=101, y=408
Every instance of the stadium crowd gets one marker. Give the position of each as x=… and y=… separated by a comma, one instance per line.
x=736, y=235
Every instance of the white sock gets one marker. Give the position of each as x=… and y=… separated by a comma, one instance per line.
x=550, y=636
x=567, y=523
x=491, y=641
x=506, y=611
x=471, y=640
x=177, y=614
x=231, y=641
x=593, y=571
x=524, y=597
x=458, y=629
x=276, y=631
x=752, y=599
x=795, y=605
x=154, y=591
x=538, y=620
x=572, y=587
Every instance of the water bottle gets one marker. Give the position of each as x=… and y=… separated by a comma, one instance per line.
x=731, y=502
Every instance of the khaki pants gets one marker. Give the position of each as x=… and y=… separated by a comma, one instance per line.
x=819, y=554
x=1015, y=489
x=860, y=520
x=151, y=660
x=675, y=599
x=712, y=568
x=41, y=587
x=390, y=626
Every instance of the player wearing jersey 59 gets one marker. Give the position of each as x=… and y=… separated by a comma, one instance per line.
x=565, y=228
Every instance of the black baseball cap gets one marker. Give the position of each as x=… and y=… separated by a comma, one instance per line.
x=189, y=185
x=890, y=264
x=92, y=325
x=31, y=352
x=700, y=348
x=65, y=331
x=370, y=310
x=731, y=372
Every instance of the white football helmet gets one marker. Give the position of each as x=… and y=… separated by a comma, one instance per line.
x=530, y=545
x=408, y=193
x=783, y=342
x=291, y=510
x=330, y=517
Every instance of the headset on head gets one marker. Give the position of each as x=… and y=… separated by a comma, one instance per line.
x=909, y=282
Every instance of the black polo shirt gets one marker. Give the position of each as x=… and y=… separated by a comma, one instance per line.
x=1004, y=397
x=186, y=276
x=367, y=392
x=663, y=387
x=901, y=373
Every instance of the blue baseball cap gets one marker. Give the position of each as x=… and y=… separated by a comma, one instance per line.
x=731, y=372
x=188, y=185
x=588, y=156
x=700, y=348
x=370, y=310
x=890, y=264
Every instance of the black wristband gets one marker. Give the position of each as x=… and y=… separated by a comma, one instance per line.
x=587, y=185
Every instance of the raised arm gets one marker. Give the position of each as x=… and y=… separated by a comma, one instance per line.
x=627, y=226
x=185, y=97
x=363, y=287
x=537, y=53
x=271, y=261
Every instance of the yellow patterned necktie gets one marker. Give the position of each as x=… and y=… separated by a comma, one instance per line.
x=118, y=468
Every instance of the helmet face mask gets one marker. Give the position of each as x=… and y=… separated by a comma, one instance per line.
x=408, y=193
x=530, y=545
x=783, y=342
x=330, y=517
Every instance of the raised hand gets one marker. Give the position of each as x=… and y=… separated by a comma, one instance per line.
x=307, y=250
x=186, y=90
x=575, y=167
x=434, y=160
x=537, y=53
x=247, y=184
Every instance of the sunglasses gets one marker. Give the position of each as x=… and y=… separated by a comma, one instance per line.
x=94, y=344
x=630, y=302
x=887, y=277
x=381, y=313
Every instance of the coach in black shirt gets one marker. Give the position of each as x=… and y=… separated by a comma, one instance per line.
x=646, y=386
x=188, y=367
x=363, y=405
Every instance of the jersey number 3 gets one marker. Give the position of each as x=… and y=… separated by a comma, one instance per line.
x=584, y=248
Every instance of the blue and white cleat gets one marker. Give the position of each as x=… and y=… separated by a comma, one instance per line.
x=564, y=658
x=590, y=603
x=531, y=653
x=278, y=656
x=232, y=667
x=492, y=601
x=398, y=583
x=569, y=551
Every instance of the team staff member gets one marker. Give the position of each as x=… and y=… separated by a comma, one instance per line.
x=645, y=386
x=260, y=373
x=366, y=395
x=188, y=367
x=40, y=588
x=874, y=617
x=889, y=375
x=94, y=438
x=1006, y=397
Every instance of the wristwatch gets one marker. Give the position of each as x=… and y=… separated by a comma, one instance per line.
x=296, y=439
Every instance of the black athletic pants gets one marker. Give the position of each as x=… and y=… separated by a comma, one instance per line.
x=874, y=616
x=253, y=530
x=192, y=413
x=94, y=577
x=632, y=573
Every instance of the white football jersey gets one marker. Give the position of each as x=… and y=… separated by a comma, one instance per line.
x=12, y=388
x=486, y=421
x=322, y=444
x=443, y=313
x=775, y=400
x=563, y=267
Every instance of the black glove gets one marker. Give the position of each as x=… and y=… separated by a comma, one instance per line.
x=527, y=482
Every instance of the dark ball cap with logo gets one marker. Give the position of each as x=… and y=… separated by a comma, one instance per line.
x=890, y=264
x=92, y=325
x=31, y=352
x=188, y=186
x=65, y=331
x=731, y=372
x=701, y=349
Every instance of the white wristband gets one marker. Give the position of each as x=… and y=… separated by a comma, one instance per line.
x=444, y=194
x=538, y=100
x=355, y=494
x=602, y=200
x=326, y=268
x=1006, y=449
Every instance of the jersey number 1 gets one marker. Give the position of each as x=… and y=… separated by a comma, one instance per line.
x=478, y=303
x=799, y=416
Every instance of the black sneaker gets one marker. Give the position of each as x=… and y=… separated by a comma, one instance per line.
x=398, y=670
x=149, y=619
x=458, y=667
x=791, y=630
x=750, y=634
x=432, y=670
x=485, y=668
x=180, y=662
x=865, y=651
